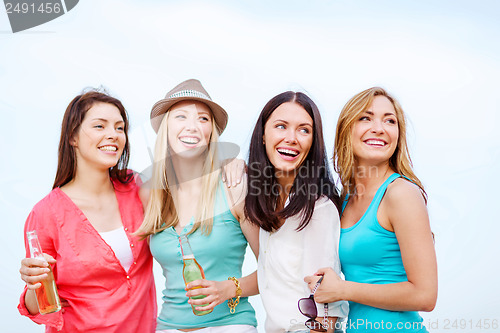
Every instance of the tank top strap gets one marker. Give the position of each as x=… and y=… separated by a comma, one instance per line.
x=378, y=195
x=344, y=203
x=381, y=191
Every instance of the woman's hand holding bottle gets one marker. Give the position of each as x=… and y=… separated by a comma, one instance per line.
x=216, y=292
x=33, y=271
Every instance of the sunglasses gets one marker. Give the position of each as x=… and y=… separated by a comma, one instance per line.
x=307, y=306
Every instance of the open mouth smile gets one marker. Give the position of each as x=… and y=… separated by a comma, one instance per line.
x=190, y=140
x=287, y=153
x=375, y=142
x=108, y=148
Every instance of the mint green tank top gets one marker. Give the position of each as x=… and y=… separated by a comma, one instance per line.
x=220, y=254
x=370, y=253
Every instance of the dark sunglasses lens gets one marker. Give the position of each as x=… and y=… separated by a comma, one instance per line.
x=315, y=325
x=308, y=307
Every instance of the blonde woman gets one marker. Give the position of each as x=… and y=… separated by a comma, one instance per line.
x=386, y=247
x=187, y=198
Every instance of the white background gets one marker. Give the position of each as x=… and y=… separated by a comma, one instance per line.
x=439, y=58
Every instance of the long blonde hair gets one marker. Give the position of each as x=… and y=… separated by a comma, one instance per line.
x=343, y=154
x=160, y=213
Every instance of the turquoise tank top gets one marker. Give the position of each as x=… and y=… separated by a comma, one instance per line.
x=370, y=253
x=220, y=254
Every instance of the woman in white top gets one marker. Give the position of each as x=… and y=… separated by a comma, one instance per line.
x=292, y=198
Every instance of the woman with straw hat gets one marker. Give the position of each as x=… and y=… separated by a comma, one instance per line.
x=187, y=198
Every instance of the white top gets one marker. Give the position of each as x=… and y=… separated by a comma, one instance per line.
x=286, y=256
x=118, y=241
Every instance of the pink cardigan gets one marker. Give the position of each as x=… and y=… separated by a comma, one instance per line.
x=102, y=296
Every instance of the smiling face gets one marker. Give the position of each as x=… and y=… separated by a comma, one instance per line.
x=189, y=126
x=288, y=136
x=375, y=133
x=100, y=140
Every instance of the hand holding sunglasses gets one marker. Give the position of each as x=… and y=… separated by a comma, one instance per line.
x=307, y=306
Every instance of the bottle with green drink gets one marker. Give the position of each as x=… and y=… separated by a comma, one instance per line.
x=191, y=271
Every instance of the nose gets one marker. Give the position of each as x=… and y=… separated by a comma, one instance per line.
x=377, y=126
x=191, y=124
x=112, y=134
x=290, y=137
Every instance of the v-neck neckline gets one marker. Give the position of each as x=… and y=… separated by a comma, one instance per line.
x=93, y=230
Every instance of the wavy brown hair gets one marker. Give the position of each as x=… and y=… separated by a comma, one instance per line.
x=343, y=154
x=73, y=118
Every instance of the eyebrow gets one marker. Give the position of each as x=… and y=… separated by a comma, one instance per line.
x=185, y=111
x=105, y=120
x=286, y=122
x=385, y=114
x=177, y=110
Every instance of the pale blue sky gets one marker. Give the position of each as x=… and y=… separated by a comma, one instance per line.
x=440, y=59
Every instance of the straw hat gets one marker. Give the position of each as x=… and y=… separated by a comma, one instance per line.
x=191, y=90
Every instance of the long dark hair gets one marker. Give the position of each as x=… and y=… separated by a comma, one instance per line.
x=73, y=118
x=313, y=177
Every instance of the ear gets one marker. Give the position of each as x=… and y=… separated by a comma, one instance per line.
x=263, y=140
x=73, y=142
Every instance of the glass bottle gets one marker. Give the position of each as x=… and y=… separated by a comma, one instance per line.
x=46, y=296
x=191, y=271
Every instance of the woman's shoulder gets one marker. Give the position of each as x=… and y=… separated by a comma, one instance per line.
x=402, y=187
x=325, y=209
x=402, y=192
x=132, y=182
x=45, y=212
x=325, y=217
x=324, y=202
x=53, y=199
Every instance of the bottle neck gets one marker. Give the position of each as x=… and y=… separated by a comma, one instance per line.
x=34, y=245
x=187, y=253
